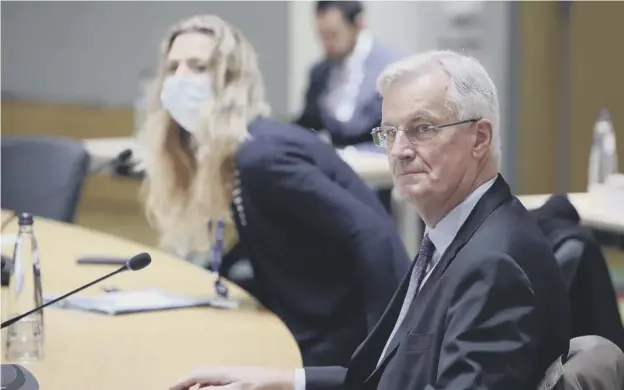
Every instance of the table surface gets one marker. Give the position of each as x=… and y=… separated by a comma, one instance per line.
x=147, y=350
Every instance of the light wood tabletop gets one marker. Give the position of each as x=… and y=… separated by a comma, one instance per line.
x=147, y=350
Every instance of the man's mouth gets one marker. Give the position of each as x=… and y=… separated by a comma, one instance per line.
x=413, y=172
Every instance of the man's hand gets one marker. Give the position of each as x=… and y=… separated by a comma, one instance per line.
x=238, y=378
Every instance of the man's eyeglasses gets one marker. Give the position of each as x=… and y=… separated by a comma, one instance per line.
x=386, y=134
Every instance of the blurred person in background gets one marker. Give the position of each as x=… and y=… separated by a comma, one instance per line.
x=341, y=98
x=326, y=254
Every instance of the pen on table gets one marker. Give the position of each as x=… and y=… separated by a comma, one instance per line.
x=109, y=289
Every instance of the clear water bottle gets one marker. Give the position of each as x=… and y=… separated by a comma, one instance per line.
x=24, y=339
x=603, y=156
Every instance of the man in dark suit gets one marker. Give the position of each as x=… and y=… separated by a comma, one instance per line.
x=341, y=98
x=484, y=305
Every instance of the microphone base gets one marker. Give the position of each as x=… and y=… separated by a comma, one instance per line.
x=16, y=377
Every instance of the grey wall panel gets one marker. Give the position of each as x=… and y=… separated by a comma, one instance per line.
x=93, y=52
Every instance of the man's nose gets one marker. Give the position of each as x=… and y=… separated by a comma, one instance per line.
x=401, y=148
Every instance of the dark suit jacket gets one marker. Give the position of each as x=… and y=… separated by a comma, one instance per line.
x=493, y=314
x=367, y=112
x=322, y=246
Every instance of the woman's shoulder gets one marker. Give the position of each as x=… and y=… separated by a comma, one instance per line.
x=266, y=137
x=262, y=151
x=280, y=132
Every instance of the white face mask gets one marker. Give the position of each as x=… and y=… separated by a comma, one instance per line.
x=184, y=96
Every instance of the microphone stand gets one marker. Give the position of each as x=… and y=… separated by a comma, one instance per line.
x=19, y=317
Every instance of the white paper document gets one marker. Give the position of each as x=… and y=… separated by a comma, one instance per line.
x=8, y=239
x=126, y=302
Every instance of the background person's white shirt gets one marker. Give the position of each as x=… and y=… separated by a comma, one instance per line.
x=346, y=78
x=442, y=235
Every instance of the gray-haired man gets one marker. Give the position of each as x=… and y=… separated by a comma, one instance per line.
x=484, y=305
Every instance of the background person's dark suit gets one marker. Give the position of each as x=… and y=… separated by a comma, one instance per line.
x=493, y=315
x=367, y=113
x=327, y=255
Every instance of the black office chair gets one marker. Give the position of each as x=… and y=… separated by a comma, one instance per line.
x=43, y=176
x=568, y=257
x=593, y=303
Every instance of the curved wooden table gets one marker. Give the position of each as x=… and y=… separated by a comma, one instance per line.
x=147, y=350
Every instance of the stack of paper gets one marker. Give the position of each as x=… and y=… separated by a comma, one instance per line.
x=126, y=302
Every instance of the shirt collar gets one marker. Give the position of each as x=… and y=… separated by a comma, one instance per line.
x=445, y=231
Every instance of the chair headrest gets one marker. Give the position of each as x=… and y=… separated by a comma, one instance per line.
x=557, y=206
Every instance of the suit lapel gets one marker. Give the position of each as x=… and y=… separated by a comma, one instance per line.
x=494, y=197
x=322, y=81
x=490, y=201
x=366, y=356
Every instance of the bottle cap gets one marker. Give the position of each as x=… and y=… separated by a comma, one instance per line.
x=25, y=219
x=604, y=116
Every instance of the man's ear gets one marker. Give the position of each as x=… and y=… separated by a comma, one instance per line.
x=483, y=138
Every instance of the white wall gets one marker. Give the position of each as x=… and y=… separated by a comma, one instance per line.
x=303, y=50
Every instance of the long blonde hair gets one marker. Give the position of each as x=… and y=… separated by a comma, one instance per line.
x=187, y=186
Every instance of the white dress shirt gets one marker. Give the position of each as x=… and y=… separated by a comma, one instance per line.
x=346, y=78
x=442, y=235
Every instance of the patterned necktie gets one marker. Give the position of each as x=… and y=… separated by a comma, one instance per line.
x=418, y=275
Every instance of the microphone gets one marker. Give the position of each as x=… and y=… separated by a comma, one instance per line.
x=136, y=263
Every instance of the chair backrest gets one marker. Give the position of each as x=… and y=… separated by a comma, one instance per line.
x=593, y=363
x=593, y=303
x=43, y=176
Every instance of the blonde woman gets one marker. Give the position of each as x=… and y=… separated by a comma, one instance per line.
x=323, y=248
